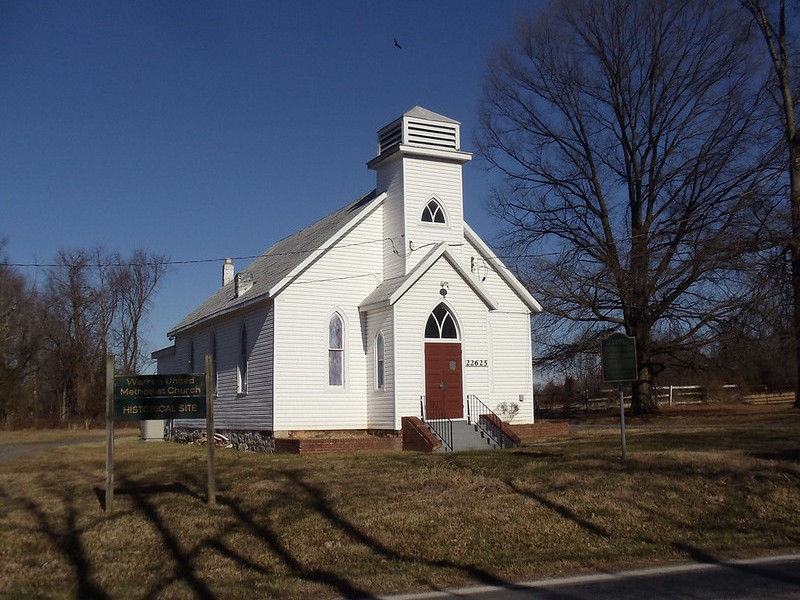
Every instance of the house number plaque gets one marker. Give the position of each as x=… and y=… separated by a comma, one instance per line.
x=481, y=362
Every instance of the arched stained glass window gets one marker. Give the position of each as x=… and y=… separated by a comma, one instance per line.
x=336, y=351
x=433, y=212
x=441, y=324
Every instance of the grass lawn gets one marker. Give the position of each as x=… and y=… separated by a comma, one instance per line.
x=700, y=483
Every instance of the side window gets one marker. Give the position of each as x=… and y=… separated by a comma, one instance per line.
x=215, y=374
x=379, y=363
x=336, y=351
x=241, y=366
x=433, y=212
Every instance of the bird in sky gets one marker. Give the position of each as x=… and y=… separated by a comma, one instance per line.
x=396, y=44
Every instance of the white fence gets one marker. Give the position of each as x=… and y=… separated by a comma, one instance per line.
x=668, y=395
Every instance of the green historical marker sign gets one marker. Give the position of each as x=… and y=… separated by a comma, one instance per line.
x=618, y=357
x=141, y=397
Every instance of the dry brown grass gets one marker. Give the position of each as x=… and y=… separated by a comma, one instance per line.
x=700, y=483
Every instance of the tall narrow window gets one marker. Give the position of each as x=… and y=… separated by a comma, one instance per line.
x=215, y=372
x=335, y=350
x=433, y=213
x=379, y=362
x=241, y=367
x=441, y=324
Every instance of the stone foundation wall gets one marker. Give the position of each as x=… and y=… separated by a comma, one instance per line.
x=245, y=441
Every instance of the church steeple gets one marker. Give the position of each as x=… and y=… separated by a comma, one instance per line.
x=419, y=166
x=422, y=132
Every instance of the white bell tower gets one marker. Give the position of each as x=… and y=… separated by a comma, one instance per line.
x=419, y=165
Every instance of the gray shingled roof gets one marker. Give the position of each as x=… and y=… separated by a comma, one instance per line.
x=277, y=262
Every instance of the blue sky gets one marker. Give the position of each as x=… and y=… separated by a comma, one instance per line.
x=202, y=130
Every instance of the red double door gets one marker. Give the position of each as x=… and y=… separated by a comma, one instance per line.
x=443, y=386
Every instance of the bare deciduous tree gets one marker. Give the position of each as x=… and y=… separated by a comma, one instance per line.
x=96, y=303
x=74, y=322
x=53, y=340
x=136, y=281
x=19, y=343
x=629, y=134
x=773, y=23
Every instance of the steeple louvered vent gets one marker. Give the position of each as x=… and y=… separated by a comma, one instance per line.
x=390, y=137
x=441, y=136
x=421, y=132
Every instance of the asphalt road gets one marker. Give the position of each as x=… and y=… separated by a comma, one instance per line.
x=765, y=578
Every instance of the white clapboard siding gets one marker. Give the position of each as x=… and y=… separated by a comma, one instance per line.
x=390, y=180
x=510, y=363
x=233, y=410
x=483, y=271
x=411, y=315
x=380, y=402
x=425, y=179
x=337, y=282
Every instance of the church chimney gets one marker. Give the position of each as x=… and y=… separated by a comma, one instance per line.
x=227, y=272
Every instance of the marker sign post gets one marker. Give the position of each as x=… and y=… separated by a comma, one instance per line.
x=618, y=358
x=143, y=397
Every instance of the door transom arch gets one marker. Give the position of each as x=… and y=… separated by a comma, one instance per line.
x=443, y=376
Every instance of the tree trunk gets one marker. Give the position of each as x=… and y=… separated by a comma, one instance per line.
x=643, y=397
x=794, y=178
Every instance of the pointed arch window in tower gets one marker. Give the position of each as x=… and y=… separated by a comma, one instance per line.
x=433, y=212
x=441, y=324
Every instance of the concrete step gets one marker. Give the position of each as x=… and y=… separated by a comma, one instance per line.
x=469, y=437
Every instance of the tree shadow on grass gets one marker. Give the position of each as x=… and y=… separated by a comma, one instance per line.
x=788, y=455
x=563, y=511
x=317, y=500
x=185, y=570
x=270, y=536
x=66, y=536
x=133, y=489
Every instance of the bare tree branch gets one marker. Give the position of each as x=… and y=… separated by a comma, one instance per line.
x=631, y=138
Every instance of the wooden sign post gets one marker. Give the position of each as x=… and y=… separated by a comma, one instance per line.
x=212, y=475
x=109, y=433
x=142, y=397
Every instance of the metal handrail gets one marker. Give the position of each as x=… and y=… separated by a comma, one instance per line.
x=477, y=409
x=438, y=423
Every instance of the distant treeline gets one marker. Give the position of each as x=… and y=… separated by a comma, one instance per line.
x=55, y=333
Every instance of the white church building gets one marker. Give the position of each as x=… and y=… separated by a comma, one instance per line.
x=390, y=307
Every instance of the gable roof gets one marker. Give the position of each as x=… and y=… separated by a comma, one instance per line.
x=503, y=271
x=391, y=290
x=273, y=270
